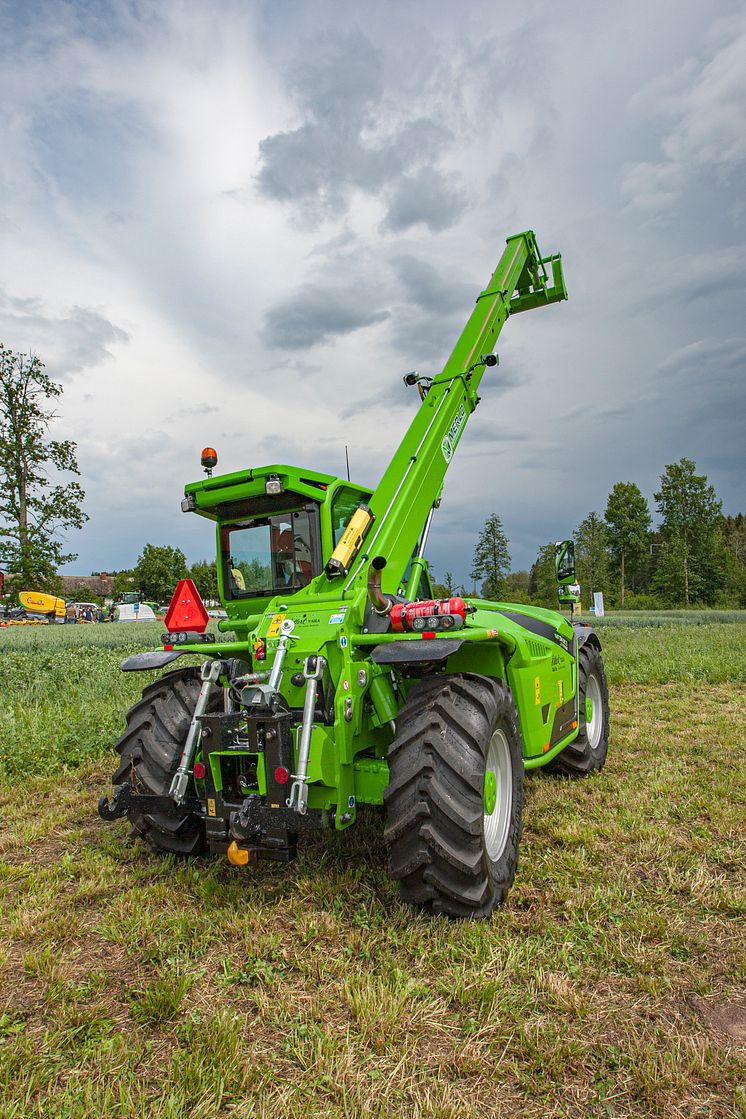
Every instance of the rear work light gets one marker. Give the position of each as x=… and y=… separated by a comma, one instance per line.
x=273, y=485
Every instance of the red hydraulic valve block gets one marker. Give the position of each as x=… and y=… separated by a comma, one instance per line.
x=443, y=614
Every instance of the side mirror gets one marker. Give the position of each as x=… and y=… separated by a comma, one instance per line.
x=564, y=561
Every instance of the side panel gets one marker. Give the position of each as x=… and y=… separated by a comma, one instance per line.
x=544, y=690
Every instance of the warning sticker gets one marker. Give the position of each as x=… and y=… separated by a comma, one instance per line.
x=537, y=686
x=210, y=806
x=274, y=625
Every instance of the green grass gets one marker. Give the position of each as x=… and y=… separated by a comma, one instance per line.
x=636, y=618
x=63, y=694
x=141, y=987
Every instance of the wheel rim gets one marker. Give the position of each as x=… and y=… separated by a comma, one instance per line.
x=498, y=795
x=593, y=711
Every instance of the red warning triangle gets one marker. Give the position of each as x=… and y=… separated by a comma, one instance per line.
x=187, y=610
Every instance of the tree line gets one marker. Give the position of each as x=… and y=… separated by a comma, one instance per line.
x=38, y=506
x=696, y=556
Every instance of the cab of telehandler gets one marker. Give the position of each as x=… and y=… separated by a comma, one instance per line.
x=278, y=539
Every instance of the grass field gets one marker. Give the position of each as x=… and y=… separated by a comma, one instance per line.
x=613, y=983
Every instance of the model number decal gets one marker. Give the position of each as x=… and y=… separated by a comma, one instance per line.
x=448, y=446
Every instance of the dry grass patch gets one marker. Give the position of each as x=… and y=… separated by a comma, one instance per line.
x=611, y=984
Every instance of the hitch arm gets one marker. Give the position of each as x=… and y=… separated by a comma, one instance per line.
x=210, y=672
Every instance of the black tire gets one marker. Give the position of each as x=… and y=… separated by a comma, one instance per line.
x=150, y=748
x=586, y=754
x=448, y=854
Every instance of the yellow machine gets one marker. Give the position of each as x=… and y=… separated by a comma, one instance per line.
x=36, y=602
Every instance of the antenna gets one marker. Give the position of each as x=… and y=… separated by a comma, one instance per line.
x=347, y=460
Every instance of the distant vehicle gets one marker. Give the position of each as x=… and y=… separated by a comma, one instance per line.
x=126, y=612
x=40, y=605
x=217, y=614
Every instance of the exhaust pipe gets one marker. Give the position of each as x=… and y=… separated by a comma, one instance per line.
x=380, y=602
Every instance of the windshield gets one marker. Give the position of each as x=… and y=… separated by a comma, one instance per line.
x=267, y=555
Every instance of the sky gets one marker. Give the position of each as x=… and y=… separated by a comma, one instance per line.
x=239, y=224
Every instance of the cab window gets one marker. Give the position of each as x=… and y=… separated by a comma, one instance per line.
x=265, y=556
x=344, y=504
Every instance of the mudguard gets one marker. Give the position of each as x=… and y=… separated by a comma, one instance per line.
x=415, y=652
x=155, y=658
x=585, y=632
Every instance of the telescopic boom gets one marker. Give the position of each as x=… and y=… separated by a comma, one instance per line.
x=402, y=501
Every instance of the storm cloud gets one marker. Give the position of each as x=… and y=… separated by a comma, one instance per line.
x=318, y=314
x=348, y=143
x=245, y=224
x=72, y=340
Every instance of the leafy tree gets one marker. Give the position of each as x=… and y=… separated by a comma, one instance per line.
x=516, y=586
x=733, y=531
x=204, y=573
x=591, y=556
x=158, y=571
x=690, y=565
x=491, y=558
x=627, y=532
x=446, y=589
x=542, y=580
x=121, y=582
x=36, y=508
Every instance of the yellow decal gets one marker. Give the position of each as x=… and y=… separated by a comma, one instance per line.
x=561, y=692
x=211, y=807
x=537, y=686
x=274, y=625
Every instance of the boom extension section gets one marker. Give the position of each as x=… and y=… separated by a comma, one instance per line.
x=414, y=478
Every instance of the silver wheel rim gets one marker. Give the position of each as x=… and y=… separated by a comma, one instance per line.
x=497, y=822
x=594, y=725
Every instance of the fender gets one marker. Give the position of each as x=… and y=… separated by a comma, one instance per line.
x=585, y=633
x=156, y=658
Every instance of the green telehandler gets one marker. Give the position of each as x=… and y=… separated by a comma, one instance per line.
x=345, y=682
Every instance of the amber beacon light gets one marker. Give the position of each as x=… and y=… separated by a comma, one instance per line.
x=209, y=460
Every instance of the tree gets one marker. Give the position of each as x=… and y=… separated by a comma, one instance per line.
x=446, y=589
x=36, y=508
x=491, y=558
x=690, y=566
x=516, y=586
x=123, y=581
x=733, y=530
x=591, y=556
x=542, y=579
x=158, y=571
x=204, y=574
x=628, y=524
